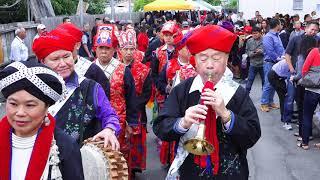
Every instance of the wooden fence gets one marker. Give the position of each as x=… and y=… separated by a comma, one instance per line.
x=7, y=30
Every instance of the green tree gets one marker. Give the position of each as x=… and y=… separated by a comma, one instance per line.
x=139, y=4
x=17, y=13
x=214, y=2
x=69, y=7
x=233, y=4
x=63, y=7
x=96, y=6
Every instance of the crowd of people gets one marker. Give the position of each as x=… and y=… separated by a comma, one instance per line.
x=96, y=82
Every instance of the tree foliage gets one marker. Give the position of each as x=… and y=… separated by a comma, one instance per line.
x=233, y=4
x=96, y=6
x=17, y=13
x=63, y=7
x=214, y=2
x=139, y=4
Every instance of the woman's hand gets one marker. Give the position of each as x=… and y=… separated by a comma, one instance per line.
x=109, y=138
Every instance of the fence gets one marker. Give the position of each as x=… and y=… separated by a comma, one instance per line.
x=7, y=30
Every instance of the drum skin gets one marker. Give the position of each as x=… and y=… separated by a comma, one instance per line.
x=101, y=163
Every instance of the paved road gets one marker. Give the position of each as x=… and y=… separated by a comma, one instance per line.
x=274, y=157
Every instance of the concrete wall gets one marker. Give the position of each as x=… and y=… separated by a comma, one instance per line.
x=268, y=8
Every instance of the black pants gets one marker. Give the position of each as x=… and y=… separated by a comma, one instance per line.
x=299, y=98
x=279, y=85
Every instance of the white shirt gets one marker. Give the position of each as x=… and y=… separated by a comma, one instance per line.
x=19, y=51
x=21, y=153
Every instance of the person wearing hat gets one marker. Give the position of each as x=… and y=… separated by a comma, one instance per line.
x=143, y=84
x=171, y=73
x=231, y=120
x=85, y=110
x=31, y=145
x=41, y=30
x=122, y=87
x=164, y=54
x=83, y=66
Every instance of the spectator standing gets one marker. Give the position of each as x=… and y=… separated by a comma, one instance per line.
x=19, y=51
x=41, y=30
x=297, y=30
x=86, y=45
x=273, y=50
x=254, y=50
x=98, y=21
x=264, y=27
x=277, y=78
x=311, y=98
x=309, y=42
x=66, y=20
x=291, y=56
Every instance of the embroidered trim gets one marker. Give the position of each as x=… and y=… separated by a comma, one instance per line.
x=82, y=66
x=111, y=67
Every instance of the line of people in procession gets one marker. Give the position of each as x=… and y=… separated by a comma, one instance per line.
x=109, y=78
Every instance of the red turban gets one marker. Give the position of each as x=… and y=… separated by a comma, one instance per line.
x=71, y=29
x=53, y=41
x=210, y=37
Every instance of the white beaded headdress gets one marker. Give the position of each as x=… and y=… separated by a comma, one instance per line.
x=31, y=74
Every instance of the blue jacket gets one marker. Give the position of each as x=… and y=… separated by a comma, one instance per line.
x=272, y=45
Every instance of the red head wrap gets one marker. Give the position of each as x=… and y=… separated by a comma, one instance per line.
x=53, y=41
x=210, y=37
x=72, y=29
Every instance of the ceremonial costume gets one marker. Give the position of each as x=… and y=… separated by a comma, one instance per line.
x=143, y=85
x=231, y=140
x=85, y=110
x=90, y=70
x=162, y=56
x=122, y=88
x=50, y=153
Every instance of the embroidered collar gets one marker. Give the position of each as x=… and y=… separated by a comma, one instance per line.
x=103, y=66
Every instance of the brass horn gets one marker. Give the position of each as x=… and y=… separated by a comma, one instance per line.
x=199, y=145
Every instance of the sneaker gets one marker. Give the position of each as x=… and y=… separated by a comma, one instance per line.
x=274, y=106
x=264, y=108
x=300, y=138
x=287, y=126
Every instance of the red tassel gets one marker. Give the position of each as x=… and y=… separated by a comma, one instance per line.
x=210, y=134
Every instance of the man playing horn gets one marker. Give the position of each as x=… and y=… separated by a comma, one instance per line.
x=233, y=126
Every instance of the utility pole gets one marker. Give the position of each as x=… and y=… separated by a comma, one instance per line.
x=81, y=12
x=28, y=10
x=130, y=10
x=112, y=9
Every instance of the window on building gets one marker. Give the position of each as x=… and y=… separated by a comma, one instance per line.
x=297, y=4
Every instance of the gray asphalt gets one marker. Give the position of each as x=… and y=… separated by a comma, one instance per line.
x=274, y=157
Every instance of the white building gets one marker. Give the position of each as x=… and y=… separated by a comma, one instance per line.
x=268, y=8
